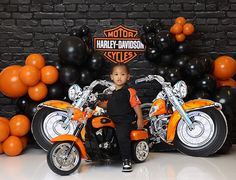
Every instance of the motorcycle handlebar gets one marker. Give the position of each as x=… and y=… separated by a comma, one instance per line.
x=158, y=78
x=101, y=82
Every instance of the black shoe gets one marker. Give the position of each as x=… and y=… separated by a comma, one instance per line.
x=127, y=166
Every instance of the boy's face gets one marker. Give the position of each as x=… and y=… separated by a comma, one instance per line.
x=120, y=76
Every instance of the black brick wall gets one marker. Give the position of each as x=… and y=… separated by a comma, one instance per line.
x=28, y=26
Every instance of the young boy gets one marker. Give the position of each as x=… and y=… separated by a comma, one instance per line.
x=121, y=108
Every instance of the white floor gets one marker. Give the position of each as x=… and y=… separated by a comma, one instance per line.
x=32, y=165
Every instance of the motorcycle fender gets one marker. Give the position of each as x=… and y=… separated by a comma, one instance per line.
x=56, y=104
x=175, y=118
x=78, y=142
x=136, y=135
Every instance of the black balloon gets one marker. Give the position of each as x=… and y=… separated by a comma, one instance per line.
x=152, y=54
x=181, y=61
x=22, y=102
x=161, y=70
x=72, y=50
x=165, y=41
x=31, y=109
x=167, y=59
x=182, y=48
x=56, y=91
x=85, y=77
x=201, y=95
x=207, y=83
x=148, y=28
x=207, y=63
x=84, y=30
x=193, y=68
x=226, y=96
x=156, y=26
x=173, y=75
x=95, y=62
x=68, y=75
x=150, y=39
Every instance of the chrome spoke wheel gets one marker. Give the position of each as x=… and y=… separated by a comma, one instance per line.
x=202, y=132
x=53, y=125
x=64, y=161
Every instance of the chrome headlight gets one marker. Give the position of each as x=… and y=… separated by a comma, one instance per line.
x=74, y=92
x=180, y=89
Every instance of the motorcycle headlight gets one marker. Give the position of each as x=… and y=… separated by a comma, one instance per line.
x=74, y=92
x=180, y=88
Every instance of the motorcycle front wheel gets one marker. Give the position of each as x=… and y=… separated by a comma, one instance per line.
x=208, y=135
x=47, y=123
x=60, y=161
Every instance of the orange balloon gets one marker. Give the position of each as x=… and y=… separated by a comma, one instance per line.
x=188, y=29
x=36, y=60
x=49, y=74
x=10, y=83
x=1, y=150
x=230, y=82
x=24, y=141
x=180, y=20
x=176, y=29
x=5, y=120
x=180, y=37
x=29, y=75
x=224, y=67
x=12, y=146
x=4, y=131
x=19, y=125
x=38, y=92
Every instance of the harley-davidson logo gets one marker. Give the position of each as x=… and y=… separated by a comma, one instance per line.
x=120, y=44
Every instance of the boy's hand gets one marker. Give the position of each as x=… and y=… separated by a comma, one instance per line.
x=140, y=123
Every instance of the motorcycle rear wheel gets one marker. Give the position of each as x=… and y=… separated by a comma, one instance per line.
x=47, y=124
x=207, y=137
x=61, y=163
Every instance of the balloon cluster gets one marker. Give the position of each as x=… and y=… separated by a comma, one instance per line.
x=13, y=139
x=158, y=42
x=16, y=81
x=80, y=64
x=181, y=29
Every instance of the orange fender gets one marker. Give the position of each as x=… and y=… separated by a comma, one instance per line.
x=77, y=113
x=175, y=118
x=78, y=142
x=57, y=104
x=136, y=135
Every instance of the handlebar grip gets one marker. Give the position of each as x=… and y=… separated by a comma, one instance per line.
x=140, y=80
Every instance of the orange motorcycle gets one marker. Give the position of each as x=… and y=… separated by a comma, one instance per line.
x=197, y=127
x=94, y=136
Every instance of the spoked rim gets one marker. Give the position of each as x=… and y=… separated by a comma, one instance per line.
x=142, y=150
x=202, y=133
x=61, y=160
x=52, y=125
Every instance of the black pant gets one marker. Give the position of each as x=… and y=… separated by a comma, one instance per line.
x=123, y=128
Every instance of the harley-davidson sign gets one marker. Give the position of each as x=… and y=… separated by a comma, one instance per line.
x=120, y=44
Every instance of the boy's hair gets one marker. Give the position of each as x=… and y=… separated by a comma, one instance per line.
x=119, y=64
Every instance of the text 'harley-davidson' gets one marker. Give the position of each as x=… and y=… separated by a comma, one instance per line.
x=197, y=127
x=94, y=136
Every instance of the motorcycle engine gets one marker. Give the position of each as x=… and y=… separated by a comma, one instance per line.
x=106, y=138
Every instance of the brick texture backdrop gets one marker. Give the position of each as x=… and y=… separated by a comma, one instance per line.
x=28, y=26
